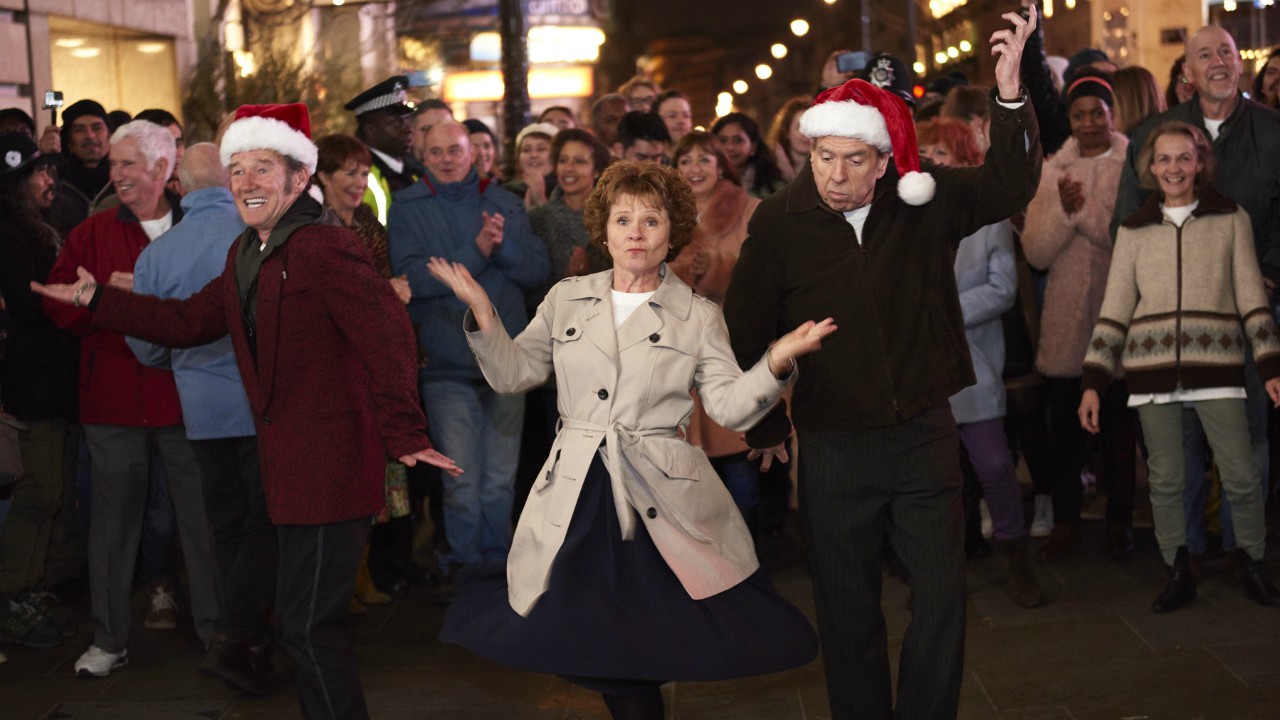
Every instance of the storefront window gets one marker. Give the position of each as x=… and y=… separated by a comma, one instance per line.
x=122, y=69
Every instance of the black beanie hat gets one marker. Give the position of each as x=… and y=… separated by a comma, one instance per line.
x=81, y=108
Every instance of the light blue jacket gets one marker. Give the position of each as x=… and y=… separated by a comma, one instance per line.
x=177, y=265
x=987, y=278
x=432, y=219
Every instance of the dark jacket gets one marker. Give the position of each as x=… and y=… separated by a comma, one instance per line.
x=38, y=375
x=333, y=389
x=1247, y=157
x=1049, y=104
x=900, y=348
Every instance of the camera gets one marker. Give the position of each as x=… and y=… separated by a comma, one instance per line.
x=852, y=61
x=53, y=99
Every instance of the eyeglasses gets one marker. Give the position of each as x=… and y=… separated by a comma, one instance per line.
x=48, y=169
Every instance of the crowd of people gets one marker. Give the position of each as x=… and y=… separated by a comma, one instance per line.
x=311, y=374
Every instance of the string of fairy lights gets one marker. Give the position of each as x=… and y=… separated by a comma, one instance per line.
x=763, y=71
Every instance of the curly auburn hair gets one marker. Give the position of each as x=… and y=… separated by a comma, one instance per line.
x=1204, y=151
x=660, y=185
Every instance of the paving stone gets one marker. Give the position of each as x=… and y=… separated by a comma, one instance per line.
x=137, y=711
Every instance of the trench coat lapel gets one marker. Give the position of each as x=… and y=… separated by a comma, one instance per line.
x=645, y=325
x=597, y=321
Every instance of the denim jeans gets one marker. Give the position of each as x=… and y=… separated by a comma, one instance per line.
x=480, y=430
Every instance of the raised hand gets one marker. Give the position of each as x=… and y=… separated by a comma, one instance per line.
x=831, y=75
x=490, y=236
x=803, y=340
x=68, y=293
x=1007, y=44
x=1071, y=194
x=457, y=278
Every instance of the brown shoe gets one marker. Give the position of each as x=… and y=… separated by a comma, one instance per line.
x=1023, y=585
x=1062, y=540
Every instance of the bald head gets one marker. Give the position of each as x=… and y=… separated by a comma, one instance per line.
x=201, y=168
x=1213, y=65
x=447, y=152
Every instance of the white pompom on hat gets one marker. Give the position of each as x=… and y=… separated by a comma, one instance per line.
x=284, y=128
x=860, y=110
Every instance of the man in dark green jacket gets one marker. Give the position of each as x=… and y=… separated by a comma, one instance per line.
x=850, y=239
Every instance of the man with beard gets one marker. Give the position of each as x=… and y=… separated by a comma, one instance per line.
x=83, y=140
x=382, y=122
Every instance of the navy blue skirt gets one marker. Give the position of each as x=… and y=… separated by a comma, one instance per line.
x=614, y=610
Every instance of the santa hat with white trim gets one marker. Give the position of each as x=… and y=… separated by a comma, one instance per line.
x=285, y=128
x=860, y=110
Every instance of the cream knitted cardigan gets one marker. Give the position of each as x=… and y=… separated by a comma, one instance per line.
x=1181, y=303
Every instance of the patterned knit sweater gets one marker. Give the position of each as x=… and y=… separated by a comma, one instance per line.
x=1182, y=301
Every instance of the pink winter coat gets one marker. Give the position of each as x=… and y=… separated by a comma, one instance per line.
x=1075, y=249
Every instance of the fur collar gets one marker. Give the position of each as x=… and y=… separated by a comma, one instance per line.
x=1070, y=150
x=724, y=210
x=1212, y=202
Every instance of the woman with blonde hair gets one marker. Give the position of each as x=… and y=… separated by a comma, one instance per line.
x=1184, y=267
x=1137, y=96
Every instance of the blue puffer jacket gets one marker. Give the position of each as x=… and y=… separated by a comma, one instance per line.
x=434, y=219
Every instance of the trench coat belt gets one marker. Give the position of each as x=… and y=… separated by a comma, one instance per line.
x=616, y=437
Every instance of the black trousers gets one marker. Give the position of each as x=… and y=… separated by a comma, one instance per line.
x=244, y=540
x=857, y=488
x=1069, y=449
x=317, y=576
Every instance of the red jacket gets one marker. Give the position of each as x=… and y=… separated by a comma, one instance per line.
x=115, y=389
x=334, y=387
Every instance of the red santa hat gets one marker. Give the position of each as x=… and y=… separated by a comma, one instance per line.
x=881, y=119
x=284, y=128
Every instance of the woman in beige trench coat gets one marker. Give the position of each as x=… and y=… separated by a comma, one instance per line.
x=630, y=564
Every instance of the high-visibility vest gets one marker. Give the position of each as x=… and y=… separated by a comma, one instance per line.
x=377, y=194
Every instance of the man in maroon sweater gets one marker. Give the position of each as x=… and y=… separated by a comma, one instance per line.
x=319, y=339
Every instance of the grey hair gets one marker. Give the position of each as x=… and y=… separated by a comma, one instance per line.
x=154, y=142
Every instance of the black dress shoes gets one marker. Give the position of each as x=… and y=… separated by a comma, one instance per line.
x=1180, y=589
x=1257, y=584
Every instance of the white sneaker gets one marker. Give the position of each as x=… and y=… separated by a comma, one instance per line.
x=1042, y=522
x=988, y=527
x=96, y=662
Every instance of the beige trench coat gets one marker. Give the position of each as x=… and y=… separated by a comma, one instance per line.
x=629, y=390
